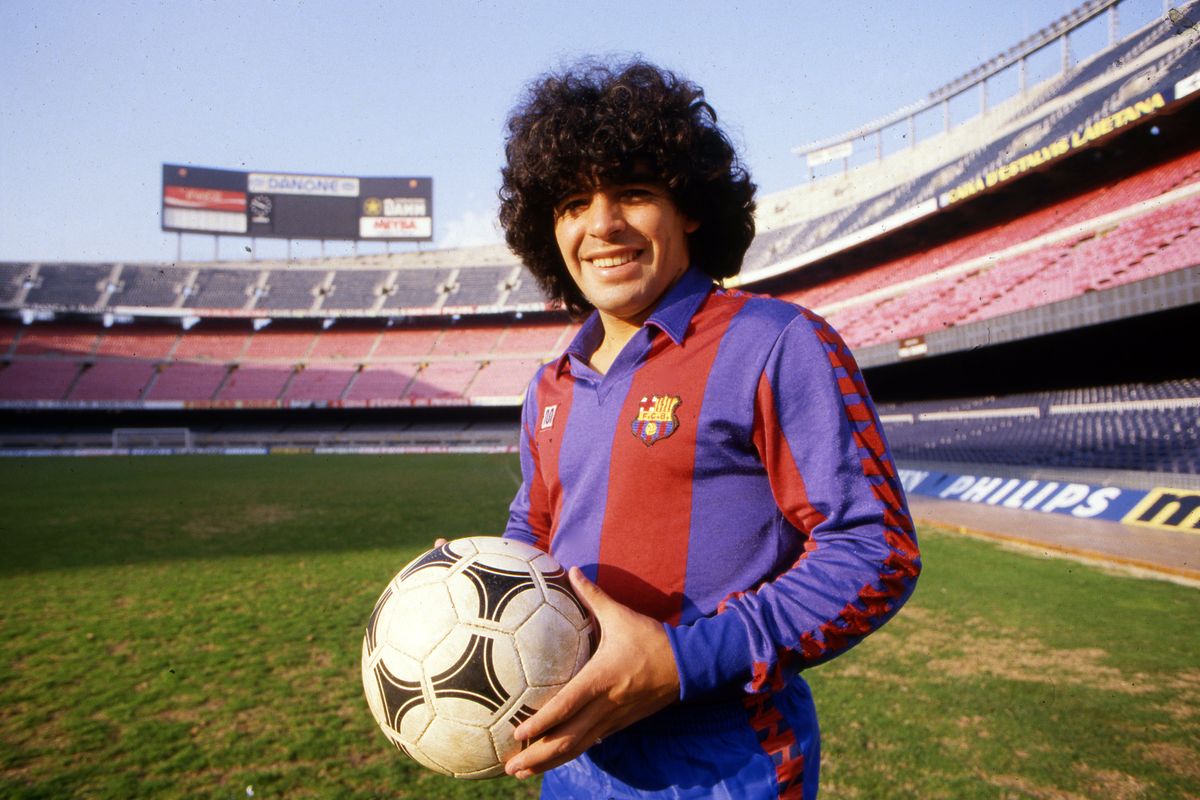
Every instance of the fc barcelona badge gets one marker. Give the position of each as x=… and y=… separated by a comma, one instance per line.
x=656, y=418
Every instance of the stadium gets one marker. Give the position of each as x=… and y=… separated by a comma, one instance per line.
x=1014, y=260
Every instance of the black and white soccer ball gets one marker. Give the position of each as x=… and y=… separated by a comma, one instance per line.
x=464, y=644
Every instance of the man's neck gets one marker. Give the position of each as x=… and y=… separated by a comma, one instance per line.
x=617, y=333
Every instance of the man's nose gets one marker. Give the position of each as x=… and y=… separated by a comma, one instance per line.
x=605, y=216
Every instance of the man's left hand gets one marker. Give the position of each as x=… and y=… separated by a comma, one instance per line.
x=631, y=675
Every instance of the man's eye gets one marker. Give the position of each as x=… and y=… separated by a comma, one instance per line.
x=571, y=206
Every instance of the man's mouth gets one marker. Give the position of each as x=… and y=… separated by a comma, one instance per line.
x=617, y=260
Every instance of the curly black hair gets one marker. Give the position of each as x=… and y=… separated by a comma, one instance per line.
x=597, y=122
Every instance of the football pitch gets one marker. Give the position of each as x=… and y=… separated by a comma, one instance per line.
x=180, y=627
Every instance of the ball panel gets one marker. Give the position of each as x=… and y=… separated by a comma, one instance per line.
x=483, y=591
x=547, y=644
x=371, y=685
x=470, y=689
x=560, y=595
x=509, y=548
x=428, y=566
x=372, y=632
x=417, y=619
x=398, y=681
x=458, y=749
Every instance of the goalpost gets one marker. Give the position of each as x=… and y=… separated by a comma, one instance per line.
x=154, y=438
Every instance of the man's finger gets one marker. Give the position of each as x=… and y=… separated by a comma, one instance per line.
x=565, y=704
x=562, y=744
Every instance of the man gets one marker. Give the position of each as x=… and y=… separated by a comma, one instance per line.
x=707, y=462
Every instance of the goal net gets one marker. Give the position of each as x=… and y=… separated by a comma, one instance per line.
x=152, y=438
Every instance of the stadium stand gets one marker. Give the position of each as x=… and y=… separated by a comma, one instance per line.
x=111, y=380
x=149, y=286
x=401, y=342
x=221, y=288
x=478, y=287
x=37, y=381
x=541, y=338
x=323, y=384
x=8, y=337
x=442, y=380
x=417, y=289
x=289, y=289
x=525, y=292
x=186, y=381
x=210, y=345
x=153, y=343
x=60, y=339
x=344, y=344
x=69, y=285
x=253, y=385
x=505, y=379
x=351, y=290
x=14, y=283
x=467, y=341
x=269, y=344
x=380, y=384
x=1142, y=427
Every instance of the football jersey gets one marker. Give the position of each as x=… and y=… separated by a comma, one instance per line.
x=727, y=476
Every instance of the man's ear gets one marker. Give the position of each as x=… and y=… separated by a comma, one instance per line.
x=690, y=225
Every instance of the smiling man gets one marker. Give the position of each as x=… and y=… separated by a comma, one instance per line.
x=707, y=462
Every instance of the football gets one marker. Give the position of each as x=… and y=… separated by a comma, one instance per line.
x=466, y=642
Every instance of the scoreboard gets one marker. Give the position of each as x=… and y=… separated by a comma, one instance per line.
x=296, y=206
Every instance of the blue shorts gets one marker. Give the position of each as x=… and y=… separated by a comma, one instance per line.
x=765, y=746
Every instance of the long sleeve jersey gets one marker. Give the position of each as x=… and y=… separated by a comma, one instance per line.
x=727, y=476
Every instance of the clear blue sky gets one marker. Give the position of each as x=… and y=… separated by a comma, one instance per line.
x=95, y=96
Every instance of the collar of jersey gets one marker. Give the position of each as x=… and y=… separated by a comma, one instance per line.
x=672, y=316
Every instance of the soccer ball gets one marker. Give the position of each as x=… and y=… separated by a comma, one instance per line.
x=464, y=644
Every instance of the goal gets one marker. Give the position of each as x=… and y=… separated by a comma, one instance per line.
x=152, y=438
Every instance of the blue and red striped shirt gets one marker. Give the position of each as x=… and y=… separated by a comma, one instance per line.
x=727, y=476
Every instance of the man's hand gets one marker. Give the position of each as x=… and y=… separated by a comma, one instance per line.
x=631, y=675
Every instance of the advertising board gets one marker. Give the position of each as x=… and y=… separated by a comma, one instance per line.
x=296, y=206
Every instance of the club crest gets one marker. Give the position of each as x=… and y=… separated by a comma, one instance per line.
x=656, y=418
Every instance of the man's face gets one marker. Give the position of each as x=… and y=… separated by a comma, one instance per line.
x=624, y=244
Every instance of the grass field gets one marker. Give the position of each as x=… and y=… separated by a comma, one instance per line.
x=190, y=627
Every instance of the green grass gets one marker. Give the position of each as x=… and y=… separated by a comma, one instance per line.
x=188, y=627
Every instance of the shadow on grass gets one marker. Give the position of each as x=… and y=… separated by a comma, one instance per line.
x=84, y=512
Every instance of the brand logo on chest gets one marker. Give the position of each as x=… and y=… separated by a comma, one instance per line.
x=656, y=418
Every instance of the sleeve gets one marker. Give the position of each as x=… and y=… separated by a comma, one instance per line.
x=834, y=481
x=529, y=515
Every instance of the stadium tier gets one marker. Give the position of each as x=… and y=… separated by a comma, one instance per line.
x=917, y=295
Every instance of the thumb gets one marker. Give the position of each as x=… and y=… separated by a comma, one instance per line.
x=592, y=596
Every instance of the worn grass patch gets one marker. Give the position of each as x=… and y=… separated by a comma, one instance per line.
x=189, y=627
